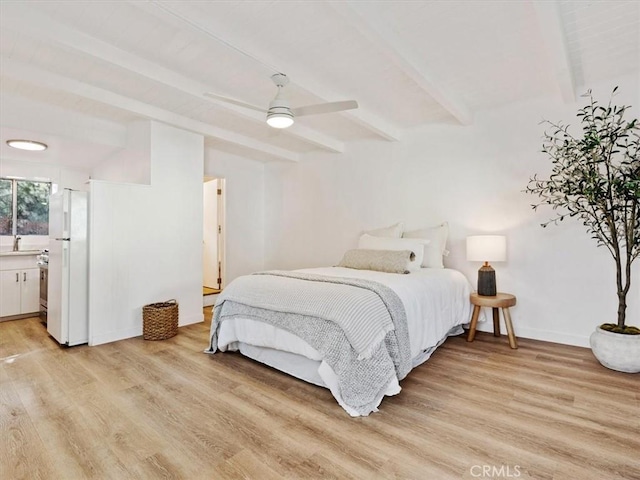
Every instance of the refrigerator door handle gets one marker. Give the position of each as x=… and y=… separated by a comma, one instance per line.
x=17, y=277
x=24, y=276
x=64, y=239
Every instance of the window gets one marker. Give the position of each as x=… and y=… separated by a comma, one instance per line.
x=24, y=207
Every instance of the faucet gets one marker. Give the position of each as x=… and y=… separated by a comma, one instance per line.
x=16, y=243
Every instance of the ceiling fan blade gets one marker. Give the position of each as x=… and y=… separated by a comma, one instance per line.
x=234, y=102
x=324, y=108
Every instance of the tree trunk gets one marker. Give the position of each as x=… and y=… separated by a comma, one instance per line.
x=622, y=294
x=623, y=289
x=622, y=308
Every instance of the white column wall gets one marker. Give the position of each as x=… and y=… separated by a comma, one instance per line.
x=146, y=240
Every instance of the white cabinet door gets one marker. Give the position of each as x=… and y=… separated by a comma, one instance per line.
x=10, y=286
x=30, y=299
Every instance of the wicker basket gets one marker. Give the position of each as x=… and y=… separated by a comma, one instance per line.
x=160, y=320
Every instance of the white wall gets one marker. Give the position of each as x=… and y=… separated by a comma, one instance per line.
x=61, y=177
x=145, y=240
x=244, y=211
x=472, y=177
x=131, y=164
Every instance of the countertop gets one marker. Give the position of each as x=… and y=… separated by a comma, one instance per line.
x=20, y=253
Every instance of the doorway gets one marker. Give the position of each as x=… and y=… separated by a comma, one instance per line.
x=213, y=237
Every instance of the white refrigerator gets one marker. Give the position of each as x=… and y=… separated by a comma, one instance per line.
x=68, y=312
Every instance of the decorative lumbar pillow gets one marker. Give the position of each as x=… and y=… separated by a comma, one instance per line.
x=394, y=231
x=436, y=248
x=417, y=246
x=390, y=261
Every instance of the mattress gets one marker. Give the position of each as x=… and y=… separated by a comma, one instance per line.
x=436, y=302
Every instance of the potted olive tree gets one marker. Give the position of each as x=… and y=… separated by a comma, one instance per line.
x=596, y=178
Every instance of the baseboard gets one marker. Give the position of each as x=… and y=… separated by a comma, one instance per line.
x=544, y=335
x=555, y=337
x=19, y=316
x=114, y=336
x=117, y=335
x=191, y=320
x=209, y=300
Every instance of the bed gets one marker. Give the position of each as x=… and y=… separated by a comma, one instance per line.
x=356, y=332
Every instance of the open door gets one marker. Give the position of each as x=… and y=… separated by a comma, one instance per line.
x=213, y=236
x=221, y=232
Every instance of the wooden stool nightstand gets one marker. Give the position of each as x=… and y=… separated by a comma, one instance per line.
x=500, y=300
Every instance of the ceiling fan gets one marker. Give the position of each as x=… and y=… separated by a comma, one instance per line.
x=280, y=114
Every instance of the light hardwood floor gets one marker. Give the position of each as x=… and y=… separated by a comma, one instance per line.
x=139, y=409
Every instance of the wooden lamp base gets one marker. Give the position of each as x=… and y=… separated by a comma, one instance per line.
x=487, y=280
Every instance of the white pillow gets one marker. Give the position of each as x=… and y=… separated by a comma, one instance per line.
x=436, y=247
x=394, y=231
x=417, y=246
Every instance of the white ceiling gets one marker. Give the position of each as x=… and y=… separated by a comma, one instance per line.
x=73, y=70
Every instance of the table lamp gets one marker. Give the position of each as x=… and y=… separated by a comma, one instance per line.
x=487, y=248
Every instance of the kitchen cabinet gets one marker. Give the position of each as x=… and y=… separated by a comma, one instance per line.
x=10, y=296
x=19, y=291
x=19, y=283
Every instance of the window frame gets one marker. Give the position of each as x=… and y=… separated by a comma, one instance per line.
x=14, y=205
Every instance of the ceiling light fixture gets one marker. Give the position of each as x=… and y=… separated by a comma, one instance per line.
x=27, y=145
x=280, y=118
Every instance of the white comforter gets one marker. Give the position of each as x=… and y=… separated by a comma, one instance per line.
x=435, y=300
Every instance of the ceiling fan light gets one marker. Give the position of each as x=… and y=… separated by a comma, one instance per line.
x=280, y=120
x=31, y=145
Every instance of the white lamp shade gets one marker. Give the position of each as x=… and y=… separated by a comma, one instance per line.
x=487, y=248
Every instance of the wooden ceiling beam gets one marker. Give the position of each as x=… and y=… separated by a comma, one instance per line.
x=555, y=41
x=388, y=42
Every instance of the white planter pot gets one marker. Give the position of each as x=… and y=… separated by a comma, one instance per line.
x=616, y=351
